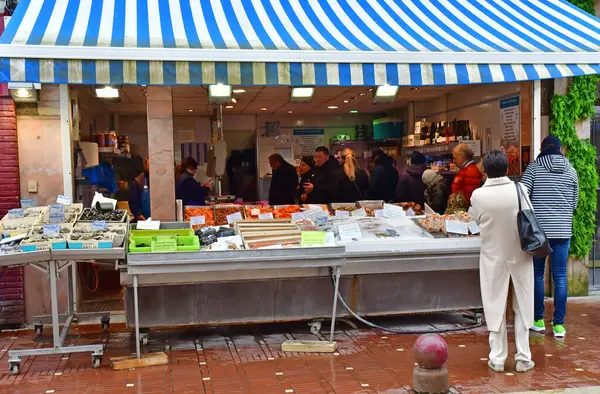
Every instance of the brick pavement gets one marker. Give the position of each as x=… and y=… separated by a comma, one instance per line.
x=248, y=360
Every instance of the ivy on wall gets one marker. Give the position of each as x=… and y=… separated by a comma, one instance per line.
x=578, y=104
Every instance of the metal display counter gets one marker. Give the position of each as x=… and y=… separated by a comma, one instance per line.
x=259, y=286
x=221, y=263
x=52, y=263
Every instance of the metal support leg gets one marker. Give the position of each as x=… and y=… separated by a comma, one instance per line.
x=54, y=304
x=73, y=288
x=335, y=298
x=137, y=316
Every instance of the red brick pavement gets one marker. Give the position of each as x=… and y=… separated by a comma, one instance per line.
x=227, y=361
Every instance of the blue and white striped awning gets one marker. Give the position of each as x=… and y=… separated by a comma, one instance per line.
x=297, y=42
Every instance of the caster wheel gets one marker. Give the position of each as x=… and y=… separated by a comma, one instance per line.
x=315, y=327
x=38, y=330
x=14, y=369
x=96, y=361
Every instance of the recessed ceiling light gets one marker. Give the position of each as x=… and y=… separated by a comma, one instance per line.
x=370, y=90
x=353, y=111
x=190, y=110
x=233, y=100
x=332, y=107
x=303, y=94
x=263, y=108
x=289, y=112
x=362, y=94
x=414, y=88
x=385, y=94
x=346, y=101
x=229, y=106
x=239, y=90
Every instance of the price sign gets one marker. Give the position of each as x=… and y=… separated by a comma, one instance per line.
x=27, y=204
x=393, y=212
x=63, y=200
x=474, y=228
x=51, y=230
x=312, y=238
x=56, y=215
x=255, y=212
x=16, y=213
x=266, y=216
x=457, y=227
x=164, y=245
x=322, y=218
x=99, y=225
x=349, y=232
x=198, y=220
x=234, y=217
x=148, y=225
x=359, y=213
x=57, y=208
x=297, y=216
x=410, y=212
x=379, y=213
x=313, y=213
x=342, y=213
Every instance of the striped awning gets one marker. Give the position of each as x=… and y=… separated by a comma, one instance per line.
x=297, y=42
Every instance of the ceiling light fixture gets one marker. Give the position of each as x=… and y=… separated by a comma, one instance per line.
x=107, y=92
x=346, y=101
x=239, y=90
x=24, y=92
x=302, y=95
x=263, y=108
x=385, y=94
x=219, y=94
x=332, y=107
x=190, y=110
x=229, y=106
x=233, y=100
x=289, y=112
x=353, y=111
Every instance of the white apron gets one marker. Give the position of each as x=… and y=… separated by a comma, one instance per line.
x=494, y=207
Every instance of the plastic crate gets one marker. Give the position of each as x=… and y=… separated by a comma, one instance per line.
x=136, y=241
x=77, y=207
x=18, y=226
x=143, y=244
x=106, y=243
x=121, y=220
x=56, y=244
x=162, y=233
x=188, y=244
x=118, y=239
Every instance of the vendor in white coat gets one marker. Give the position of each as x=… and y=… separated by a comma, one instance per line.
x=494, y=207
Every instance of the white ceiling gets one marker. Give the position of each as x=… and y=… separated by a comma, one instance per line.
x=193, y=100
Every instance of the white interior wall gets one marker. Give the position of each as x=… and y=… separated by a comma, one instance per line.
x=482, y=104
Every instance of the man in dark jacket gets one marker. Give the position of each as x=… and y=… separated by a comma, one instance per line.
x=384, y=178
x=284, y=181
x=187, y=188
x=323, y=186
x=411, y=187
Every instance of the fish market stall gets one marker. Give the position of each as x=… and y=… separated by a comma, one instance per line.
x=396, y=266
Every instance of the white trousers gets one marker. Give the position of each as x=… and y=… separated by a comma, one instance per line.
x=499, y=339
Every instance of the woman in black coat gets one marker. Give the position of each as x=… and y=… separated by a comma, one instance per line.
x=305, y=172
x=355, y=181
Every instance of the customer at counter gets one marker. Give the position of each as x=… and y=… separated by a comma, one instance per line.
x=436, y=192
x=355, y=181
x=305, y=172
x=468, y=178
x=323, y=186
x=283, y=182
x=139, y=195
x=411, y=186
x=384, y=178
x=187, y=188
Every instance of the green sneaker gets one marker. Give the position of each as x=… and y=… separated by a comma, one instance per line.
x=559, y=331
x=539, y=326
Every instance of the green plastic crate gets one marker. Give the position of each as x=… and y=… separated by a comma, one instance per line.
x=161, y=233
x=188, y=244
x=135, y=242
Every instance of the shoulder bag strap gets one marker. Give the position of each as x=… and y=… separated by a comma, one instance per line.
x=518, y=194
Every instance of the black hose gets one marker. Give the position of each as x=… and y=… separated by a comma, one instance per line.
x=478, y=324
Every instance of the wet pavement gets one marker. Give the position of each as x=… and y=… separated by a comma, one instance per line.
x=248, y=359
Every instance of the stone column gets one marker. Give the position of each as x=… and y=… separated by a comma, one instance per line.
x=160, y=149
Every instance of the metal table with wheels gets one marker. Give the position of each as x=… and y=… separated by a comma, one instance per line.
x=225, y=262
x=55, y=262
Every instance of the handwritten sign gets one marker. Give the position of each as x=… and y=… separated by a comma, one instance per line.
x=234, y=217
x=298, y=216
x=266, y=216
x=51, y=230
x=63, y=200
x=393, y=212
x=255, y=212
x=379, y=213
x=164, y=245
x=313, y=213
x=16, y=213
x=349, y=232
x=27, y=204
x=312, y=238
x=99, y=225
x=198, y=220
x=474, y=228
x=457, y=227
x=359, y=213
x=342, y=213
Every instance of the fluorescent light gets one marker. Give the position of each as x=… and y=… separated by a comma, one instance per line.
x=233, y=100
x=332, y=107
x=386, y=91
x=107, y=92
x=229, y=106
x=263, y=108
x=190, y=110
x=300, y=95
x=219, y=94
x=346, y=101
x=385, y=94
x=289, y=112
x=353, y=111
x=239, y=90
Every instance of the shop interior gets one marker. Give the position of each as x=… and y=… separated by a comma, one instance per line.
x=259, y=121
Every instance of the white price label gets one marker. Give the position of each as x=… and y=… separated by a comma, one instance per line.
x=266, y=216
x=16, y=213
x=342, y=213
x=349, y=232
x=313, y=213
x=255, y=212
x=51, y=230
x=63, y=200
x=361, y=213
x=474, y=228
x=297, y=216
x=197, y=220
x=27, y=204
x=234, y=217
x=393, y=212
x=410, y=212
x=99, y=225
x=457, y=227
x=379, y=213
x=148, y=225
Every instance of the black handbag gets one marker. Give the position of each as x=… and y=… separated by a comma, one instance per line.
x=532, y=236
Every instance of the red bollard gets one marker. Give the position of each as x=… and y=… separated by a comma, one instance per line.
x=430, y=375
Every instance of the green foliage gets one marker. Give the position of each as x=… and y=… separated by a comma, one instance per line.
x=586, y=5
x=578, y=104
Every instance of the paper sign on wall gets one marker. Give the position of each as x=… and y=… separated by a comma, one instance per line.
x=349, y=232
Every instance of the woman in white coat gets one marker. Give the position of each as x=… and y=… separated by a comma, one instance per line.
x=494, y=207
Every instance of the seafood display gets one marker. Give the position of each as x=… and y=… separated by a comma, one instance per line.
x=285, y=211
x=92, y=214
x=435, y=223
x=416, y=208
x=224, y=210
x=252, y=212
x=206, y=212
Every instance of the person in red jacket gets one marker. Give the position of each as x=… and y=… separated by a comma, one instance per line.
x=468, y=177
